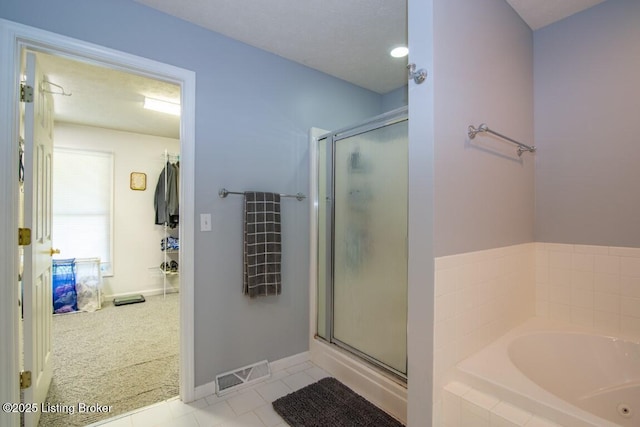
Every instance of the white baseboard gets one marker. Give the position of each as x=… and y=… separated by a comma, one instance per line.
x=275, y=366
x=205, y=390
x=287, y=362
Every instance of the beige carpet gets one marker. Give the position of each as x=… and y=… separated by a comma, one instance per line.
x=123, y=356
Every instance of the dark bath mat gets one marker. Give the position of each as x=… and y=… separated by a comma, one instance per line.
x=330, y=403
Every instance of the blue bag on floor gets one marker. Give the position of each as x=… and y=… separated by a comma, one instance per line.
x=65, y=299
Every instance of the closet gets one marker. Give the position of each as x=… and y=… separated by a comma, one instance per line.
x=167, y=207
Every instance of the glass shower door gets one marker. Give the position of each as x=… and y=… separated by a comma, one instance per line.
x=370, y=245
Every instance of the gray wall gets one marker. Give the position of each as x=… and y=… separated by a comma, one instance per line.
x=251, y=133
x=483, y=73
x=395, y=99
x=587, y=109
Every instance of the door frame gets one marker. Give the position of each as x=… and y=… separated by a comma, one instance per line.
x=13, y=38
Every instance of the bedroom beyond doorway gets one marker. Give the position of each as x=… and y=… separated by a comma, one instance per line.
x=125, y=357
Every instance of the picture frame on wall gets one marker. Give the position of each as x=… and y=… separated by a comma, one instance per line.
x=138, y=181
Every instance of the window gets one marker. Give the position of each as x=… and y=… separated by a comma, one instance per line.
x=83, y=205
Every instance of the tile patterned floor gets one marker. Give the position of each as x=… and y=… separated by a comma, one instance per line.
x=250, y=407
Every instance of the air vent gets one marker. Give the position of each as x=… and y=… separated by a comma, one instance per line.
x=238, y=378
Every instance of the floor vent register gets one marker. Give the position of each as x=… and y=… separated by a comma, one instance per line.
x=233, y=380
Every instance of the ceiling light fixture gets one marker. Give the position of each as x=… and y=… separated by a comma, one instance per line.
x=162, y=106
x=399, y=52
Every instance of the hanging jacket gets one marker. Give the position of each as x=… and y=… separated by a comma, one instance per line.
x=166, y=200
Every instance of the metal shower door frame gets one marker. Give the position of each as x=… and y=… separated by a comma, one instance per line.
x=332, y=138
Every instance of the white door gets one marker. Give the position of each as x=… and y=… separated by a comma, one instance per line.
x=37, y=276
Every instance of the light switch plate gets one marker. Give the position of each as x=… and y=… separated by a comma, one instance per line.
x=205, y=222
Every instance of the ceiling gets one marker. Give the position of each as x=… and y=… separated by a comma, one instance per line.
x=350, y=40
x=540, y=13
x=108, y=98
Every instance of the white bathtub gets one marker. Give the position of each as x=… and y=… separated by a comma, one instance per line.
x=562, y=373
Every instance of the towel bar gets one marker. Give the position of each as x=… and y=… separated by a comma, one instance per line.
x=224, y=193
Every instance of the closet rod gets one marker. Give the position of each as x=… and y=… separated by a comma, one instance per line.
x=168, y=155
x=484, y=128
x=61, y=92
x=224, y=193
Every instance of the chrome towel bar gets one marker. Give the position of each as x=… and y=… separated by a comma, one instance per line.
x=473, y=131
x=224, y=193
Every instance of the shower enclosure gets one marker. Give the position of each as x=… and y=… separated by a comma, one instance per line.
x=362, y=240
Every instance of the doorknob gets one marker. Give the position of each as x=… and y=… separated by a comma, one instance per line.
x=52, y=251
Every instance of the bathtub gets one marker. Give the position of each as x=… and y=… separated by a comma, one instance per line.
x=562, y=373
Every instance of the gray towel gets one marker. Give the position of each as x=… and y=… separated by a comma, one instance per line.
x=262, y=244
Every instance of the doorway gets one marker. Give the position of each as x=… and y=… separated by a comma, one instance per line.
x=19, y=38
x=106, y=242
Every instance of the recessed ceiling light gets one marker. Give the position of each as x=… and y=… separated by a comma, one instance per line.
x=399, y=52
x=162, y=106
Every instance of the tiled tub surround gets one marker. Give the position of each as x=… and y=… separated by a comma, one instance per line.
x=593, y=286
x=479, y=296
x=466, y=406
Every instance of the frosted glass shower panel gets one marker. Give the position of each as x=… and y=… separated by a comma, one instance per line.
x=370, y=244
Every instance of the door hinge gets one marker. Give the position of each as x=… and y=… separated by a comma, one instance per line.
x=26, y=93
x=24, y=236
x=25, y=379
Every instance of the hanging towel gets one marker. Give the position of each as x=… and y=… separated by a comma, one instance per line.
x=262, y=244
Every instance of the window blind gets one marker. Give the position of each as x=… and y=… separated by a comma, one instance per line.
x=82, y=204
